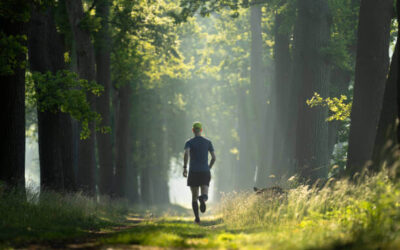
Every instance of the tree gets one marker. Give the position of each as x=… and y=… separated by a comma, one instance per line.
x=86, y=70
x=386, y=142
x=103, y=77
x=280, y=93
x=258, y=92
x=46, y=53
x=13, y=16
x=311, y=74
x=122, y=144
x=370, y=76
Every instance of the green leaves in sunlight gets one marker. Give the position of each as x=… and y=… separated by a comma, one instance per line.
x=11, y=48
x=339, y=109
x=65, y=92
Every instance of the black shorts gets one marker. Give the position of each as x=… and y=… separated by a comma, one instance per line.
x=196, y=179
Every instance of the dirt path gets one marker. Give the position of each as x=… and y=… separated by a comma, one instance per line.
x=142, y=233
x=92, y=240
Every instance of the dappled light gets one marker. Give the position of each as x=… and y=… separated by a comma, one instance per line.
x=235, y=124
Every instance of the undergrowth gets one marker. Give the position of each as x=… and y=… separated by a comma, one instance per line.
x=53, y=216
x=362, y=214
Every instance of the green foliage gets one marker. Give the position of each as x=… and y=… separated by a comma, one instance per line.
x=15, y=10
x=191, y=7
x=339, y=110
x=90, y=22
x=11, y=48
x=54, y=216
x=64, y=92
x=340, y=51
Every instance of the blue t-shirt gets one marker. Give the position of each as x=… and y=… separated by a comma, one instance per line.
x=199, y=148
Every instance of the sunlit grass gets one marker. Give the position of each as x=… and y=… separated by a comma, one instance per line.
x=341, y=214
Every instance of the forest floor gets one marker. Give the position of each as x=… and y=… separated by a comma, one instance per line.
x=168, y=232
x=141, y=231
x=341, y=215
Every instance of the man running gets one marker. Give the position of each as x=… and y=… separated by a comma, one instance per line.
x=199, y=171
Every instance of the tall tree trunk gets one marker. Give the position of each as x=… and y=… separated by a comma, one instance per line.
x=12, y=96
x=66, y=141
x=146, y=180
x=102, y=49
x=46, y=53
x=55, y=50
x=163, y=156
x=122, y=138
x=247, y=157
x=311, y=75
x=398, y=70
x=386, y=137
x=258, y=91
x=86, y=70
x=370, y=78
x=280, y=97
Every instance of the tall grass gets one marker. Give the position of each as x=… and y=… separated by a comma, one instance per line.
x=54, y=216
x=341, y=214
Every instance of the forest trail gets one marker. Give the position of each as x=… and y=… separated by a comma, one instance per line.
x=141, y=232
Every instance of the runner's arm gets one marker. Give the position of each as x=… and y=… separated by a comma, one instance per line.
x=185, y=161
x=185, y=158
x=213, y=158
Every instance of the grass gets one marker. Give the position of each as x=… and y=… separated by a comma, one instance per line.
x=54, y=217
x=340, y=215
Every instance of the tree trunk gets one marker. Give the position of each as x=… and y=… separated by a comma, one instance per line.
x=146, y=180
x=86, y=70
x=258, y=92
x=102, y=49
x=398, y=70
x=46, y=53
x=12, y=96
x=122, y=139
x=311, y=75
x=280, y=97
x=370, y=78
x=386, y=137
x=247, y=159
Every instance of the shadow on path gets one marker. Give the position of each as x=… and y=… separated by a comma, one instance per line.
x=140, y=233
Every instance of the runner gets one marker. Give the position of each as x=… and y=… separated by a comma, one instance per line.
x=199, y=171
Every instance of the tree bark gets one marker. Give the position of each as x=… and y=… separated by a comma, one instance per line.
x=398, y=71
x=280, y=97
x=46, y=53
x=311, y=75
x=86, y=70
x=258, y=93
x=12, y=96
x=122, y=139
x=102, y=49
x=386, y=137
x=370, y=78
x=247, y=159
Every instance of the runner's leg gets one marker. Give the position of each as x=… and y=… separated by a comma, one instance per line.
x=204, y=192
x=195, y=205
x=203, y=198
